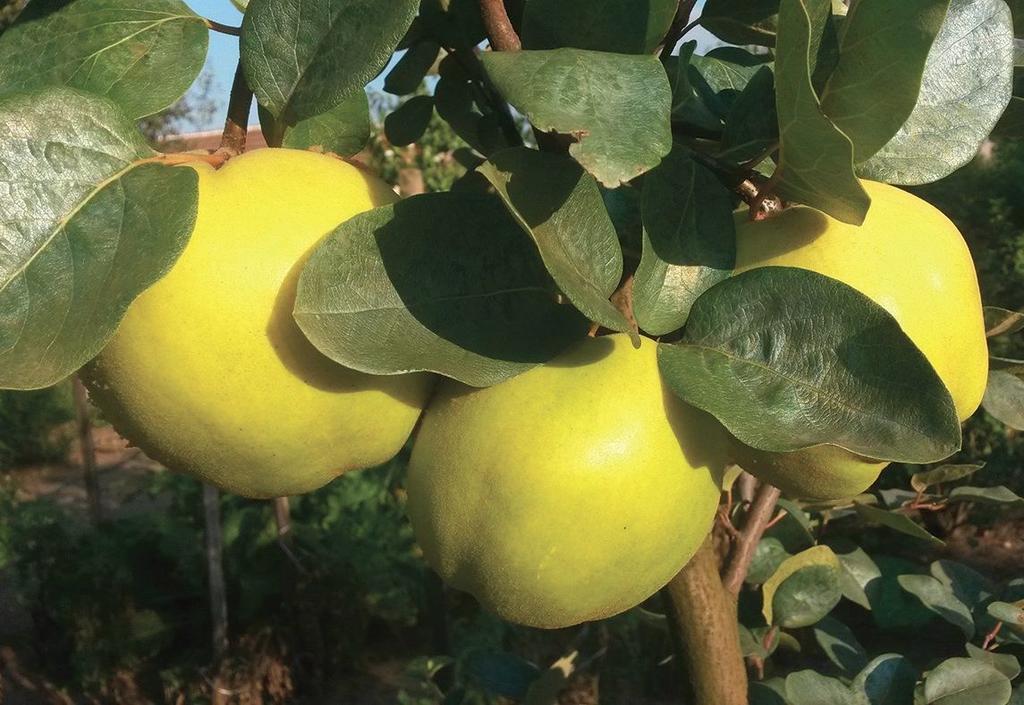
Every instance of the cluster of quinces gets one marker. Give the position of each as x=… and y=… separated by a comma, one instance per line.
x=569, y=493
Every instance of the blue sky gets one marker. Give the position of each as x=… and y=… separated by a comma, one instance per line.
x=223, y=56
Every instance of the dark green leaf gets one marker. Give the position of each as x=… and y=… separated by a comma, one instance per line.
x=969, y=586
x=85, y=227
x=742, y=21
x=966, y=86
x=768, y=556
x=921, y=481
x=721, y=75
x=501, y=673
x=814, y=362
x=881, y=61
x=887, y=680
x=456, y=104
x=442, y=282
x=1010, y=614
x=939, y=599
x=816, y=158
x=752, y=125
x=840, y=645
x=689, y=241
x=1006, y=364
x=810, y=688
x=302, y=58
x=560, y=206
x=895, y=521
x=985, y=495
x=408, y=73
x=615, y=106
x=343, y=130
x=1004, y=398
x=1001, y=321
x=766, y=693
x=689, y=110
x=965, y=681
x=1007, y=664
x=893, y=609
x=142, y=56
x=619, y=26
x=408, y=123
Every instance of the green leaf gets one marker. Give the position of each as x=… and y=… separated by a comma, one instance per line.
x=1001, y=321
x=412, y=68
x=752, y=125
x=502, y=673
x=688, y=109
x=985, y=495
x=343, y=130
x=720, y=76
x=141, y=55
x=85, y=227
x=1007, y=664
x=1004, y=398
x=921, y=481
x=302, y=58
x=815, y=157
x=895, y=521
x=742, y=21
x=967, y=85
x=804, y=589
x=768, y=556
x=1011, y=122
x=560, y=206
x=771, y=692
x=969, y=586
x=814, y=362
x=882, y=56
x=618, y=26
x=615, y=106
x=893, y=609
x=859, y=570
x=456, y=103
x=966, y=681
x=840, y=645
x=810, y=688
x=441, y=282
x=939, y=599
x=888, y=680
x=409, y=121
x=689, y=241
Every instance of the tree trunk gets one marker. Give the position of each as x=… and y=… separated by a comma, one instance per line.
x=88, y=450
x=705, y=614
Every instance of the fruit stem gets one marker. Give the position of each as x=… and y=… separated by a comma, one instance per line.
x=222, y=28
x=705, y=617
x=236, y=126
x=758, y=517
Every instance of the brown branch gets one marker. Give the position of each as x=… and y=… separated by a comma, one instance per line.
x=753, y=528
x=679, y=27
x=222, y=28
x=704, y=617
x=499, y=27
x=236, y=127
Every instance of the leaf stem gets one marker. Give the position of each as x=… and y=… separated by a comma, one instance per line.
x=222, y=28
x=499, y=27
x=753, y=529
x=236, y=126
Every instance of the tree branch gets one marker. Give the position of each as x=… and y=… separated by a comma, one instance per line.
x=499, y=27
x=678, y=28
x=236, y=127
x=753, y=529
x=705, y=620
